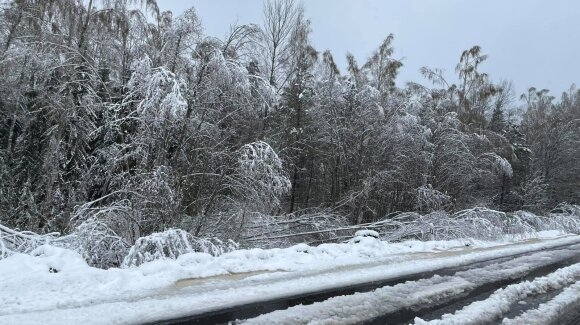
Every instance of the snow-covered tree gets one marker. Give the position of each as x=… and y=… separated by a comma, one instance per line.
x=119, y=120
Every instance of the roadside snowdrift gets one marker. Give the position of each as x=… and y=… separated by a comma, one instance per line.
x=65, y=277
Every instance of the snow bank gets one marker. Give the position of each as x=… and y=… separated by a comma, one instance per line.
x=42, y=260
x=70, y=281
x=78, y=293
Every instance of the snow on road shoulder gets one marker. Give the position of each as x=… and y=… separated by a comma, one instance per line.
x=499, y=303
x=30, y=286
x=68, y=280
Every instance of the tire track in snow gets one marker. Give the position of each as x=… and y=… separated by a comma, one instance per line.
x=364, y=307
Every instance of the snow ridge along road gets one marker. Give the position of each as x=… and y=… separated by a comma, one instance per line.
x=216, y=295
x=491, y=309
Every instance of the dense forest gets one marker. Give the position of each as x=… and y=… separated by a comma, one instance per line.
x=117, y=112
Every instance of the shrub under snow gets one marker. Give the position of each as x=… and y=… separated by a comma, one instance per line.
x=171, y=244
x=99, y=246
x=477, y=223
x=92, y=239
x=13, y=241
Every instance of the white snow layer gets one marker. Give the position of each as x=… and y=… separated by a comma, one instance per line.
x=549, y=312
x=55, y=286
x=492, y=308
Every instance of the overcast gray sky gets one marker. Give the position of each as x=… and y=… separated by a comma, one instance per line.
x=531, y=42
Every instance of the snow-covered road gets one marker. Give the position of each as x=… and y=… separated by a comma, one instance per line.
x=436, y=291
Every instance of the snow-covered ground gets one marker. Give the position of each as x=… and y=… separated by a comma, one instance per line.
x=55, y=286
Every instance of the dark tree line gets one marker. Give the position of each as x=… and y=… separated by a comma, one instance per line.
x=118, y=111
